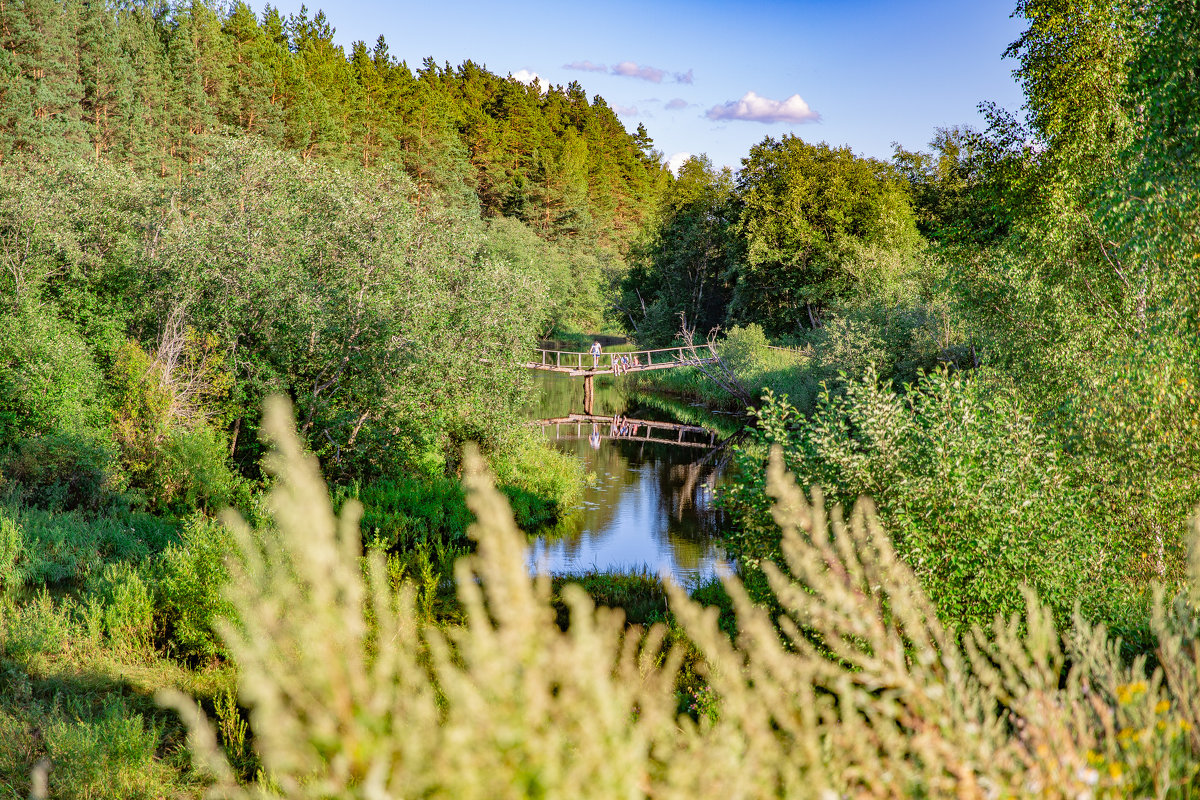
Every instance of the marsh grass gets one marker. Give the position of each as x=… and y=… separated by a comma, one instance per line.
x=39, y=547
x=855, y=690
x=80, y=703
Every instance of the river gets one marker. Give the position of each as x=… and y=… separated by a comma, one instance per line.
x=651, y=503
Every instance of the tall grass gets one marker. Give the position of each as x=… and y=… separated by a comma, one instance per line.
x=40, y=547
x=856, y=690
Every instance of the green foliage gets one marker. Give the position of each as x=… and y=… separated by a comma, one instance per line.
x=980, y=501
x=744, y=348
x=50, y=382
x=108, y=751
x=53, y=547
x=127, y=607
x=33, y=627
x=59, y=472
x=187, y=579
x=135, y=84
x=808, y=212
x=640, y=596
x=689, y=265
x=11, y=543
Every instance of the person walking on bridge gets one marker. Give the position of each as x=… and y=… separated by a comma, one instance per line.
x=595, y=353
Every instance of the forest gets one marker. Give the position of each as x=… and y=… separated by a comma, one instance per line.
x=266, y=485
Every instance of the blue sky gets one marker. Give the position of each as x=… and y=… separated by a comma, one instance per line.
x=717, y=77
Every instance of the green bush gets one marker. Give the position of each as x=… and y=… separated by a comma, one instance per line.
x=187, y=582
x=109, y=751
x=49, y=381
x=128, y=607
x=59, y=472
x=541, y=483
x=641, y=596
x=979, y=500
x=196, y=472
x=11, y=544
x=35, y=626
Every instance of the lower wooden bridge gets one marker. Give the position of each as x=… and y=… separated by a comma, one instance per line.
x=619, y=363
x=594, y=428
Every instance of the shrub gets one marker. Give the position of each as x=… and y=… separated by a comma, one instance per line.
x=59, y=472
x=977, y=497
x=11, y=544
x=36, y=626
x=187, y=581
x=744, y=348
x=174, y=459
x=49, y=382
x=128, y=607
x=106, y=752
x=195, y=472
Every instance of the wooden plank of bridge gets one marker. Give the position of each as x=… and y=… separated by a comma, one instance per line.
x=606, y=364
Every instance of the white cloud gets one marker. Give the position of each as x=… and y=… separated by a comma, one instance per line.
x=755, y=108
x=676, y=161
x=586, y=66
x=631, y=70
x=527, y=77
x=684, y=77
x=676, y=104
x=626, y=111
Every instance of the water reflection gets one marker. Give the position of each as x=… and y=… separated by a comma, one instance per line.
x=651, y=504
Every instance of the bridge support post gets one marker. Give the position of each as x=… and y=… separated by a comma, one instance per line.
x=589, y=393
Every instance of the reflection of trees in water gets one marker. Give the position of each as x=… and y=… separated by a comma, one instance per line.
x=600, y=500
x=677, y=483
x=687, y=494
x=559, y=395
x=682, y=483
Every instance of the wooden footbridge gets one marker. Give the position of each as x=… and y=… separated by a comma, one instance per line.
x=594, y=428
x=587, y=365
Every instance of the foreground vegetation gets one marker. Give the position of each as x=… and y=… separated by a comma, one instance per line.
x=858, y=689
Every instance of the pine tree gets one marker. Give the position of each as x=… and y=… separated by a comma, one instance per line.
x=107, y=79
x=40, y=92
x=255, y=103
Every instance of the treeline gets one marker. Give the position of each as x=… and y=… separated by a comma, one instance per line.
x=995, y=338
x=200, y=207
x=799, y=228
x=143, y=329
x=155, y=86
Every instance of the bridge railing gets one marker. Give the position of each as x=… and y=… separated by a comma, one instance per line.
x=645, y=358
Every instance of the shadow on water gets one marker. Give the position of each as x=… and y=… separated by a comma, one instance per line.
x=651, y=506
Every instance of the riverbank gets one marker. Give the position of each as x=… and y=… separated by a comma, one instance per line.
x=755, y=364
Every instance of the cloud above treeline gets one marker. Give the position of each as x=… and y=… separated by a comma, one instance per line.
x=631, y=69
x=676, y=161
x=586, y=66
x=755, y=108
x=675, y=104
x=626, y=111
x=528, y=77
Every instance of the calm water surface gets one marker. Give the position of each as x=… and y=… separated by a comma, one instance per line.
x=650, y=506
